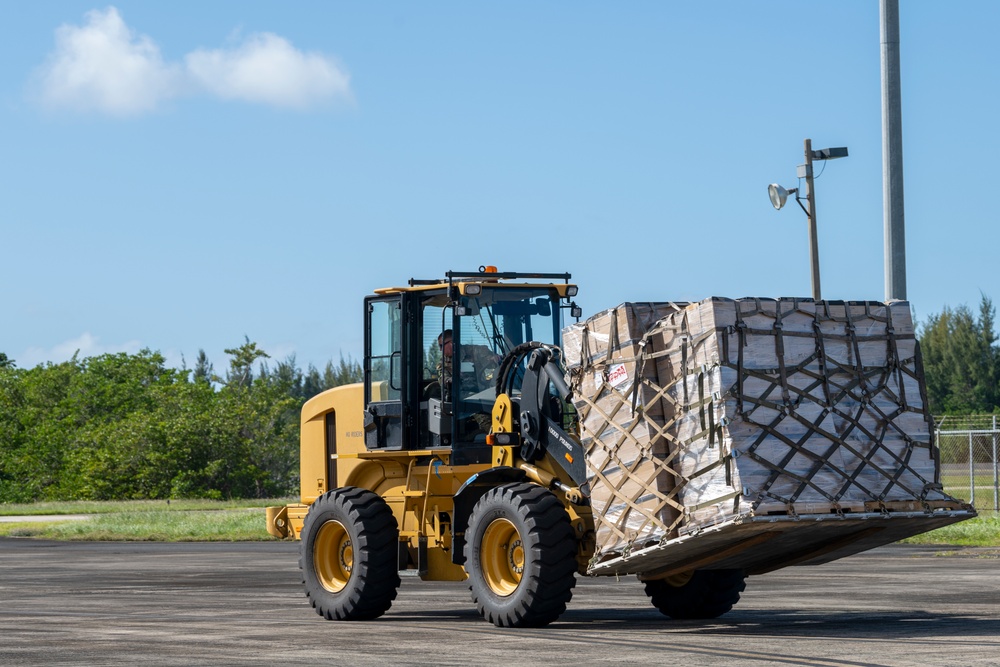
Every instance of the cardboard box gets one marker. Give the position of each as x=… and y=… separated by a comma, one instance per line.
x=622, y=425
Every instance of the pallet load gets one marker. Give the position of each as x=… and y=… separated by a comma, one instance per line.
x=734, y=419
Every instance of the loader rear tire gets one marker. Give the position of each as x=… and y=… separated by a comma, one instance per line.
x=348, y=555
x=699, y=595
x=520, y=556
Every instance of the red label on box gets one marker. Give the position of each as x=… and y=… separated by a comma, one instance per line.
x=617, y=375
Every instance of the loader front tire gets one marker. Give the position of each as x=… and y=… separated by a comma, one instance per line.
x=701, y=594
x=348, y=555
x=520, y=556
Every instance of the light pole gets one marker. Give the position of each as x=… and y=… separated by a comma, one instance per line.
x=779, y=196
x=892, y=154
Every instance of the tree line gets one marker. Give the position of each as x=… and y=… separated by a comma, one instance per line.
x=125, y=426
x=962, y=360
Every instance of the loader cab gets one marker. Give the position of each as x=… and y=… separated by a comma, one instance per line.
x=433, y=349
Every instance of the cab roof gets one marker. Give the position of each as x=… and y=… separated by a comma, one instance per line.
x=491, y=278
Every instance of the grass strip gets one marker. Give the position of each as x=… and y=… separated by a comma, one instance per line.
x=243, y=520
x=231, y=525
x=118, y=506
x=983, y=531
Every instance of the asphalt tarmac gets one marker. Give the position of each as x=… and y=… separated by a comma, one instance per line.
x=64, y=603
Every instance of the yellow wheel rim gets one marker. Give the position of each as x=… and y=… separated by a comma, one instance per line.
x=333, y=556
x=679, y=579
x=502, y=557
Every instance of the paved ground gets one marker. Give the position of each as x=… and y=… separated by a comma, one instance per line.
x=176, y=604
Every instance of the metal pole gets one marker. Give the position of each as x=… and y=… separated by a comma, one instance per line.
x=813, y=241
x=892, y=153
x=972, y=474
x=996, y=471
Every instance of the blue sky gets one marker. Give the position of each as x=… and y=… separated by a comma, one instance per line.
x=178, y=175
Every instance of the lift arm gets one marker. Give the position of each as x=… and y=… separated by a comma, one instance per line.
x=540, y=425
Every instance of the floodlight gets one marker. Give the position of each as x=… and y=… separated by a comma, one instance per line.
x=779, y=195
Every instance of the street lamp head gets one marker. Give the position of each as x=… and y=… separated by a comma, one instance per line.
x=779, y=195
x=829, y=153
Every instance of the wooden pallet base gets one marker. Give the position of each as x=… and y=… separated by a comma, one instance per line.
x=760, y=544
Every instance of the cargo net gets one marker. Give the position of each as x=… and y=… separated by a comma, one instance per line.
x=851, y=388
x=633, y=485
x=750, y=406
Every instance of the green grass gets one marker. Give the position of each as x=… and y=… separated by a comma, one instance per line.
x=229, y=525
x=983, y=480
x=145, y=520
x=104, y=507
x=983, y=531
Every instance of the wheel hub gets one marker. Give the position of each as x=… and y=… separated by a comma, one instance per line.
x=679, y=579
x=333, y=555
x=502, y=557
x=515, y=557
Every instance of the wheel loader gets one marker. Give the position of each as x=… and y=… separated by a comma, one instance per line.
x=458, y=466
x=459, y=457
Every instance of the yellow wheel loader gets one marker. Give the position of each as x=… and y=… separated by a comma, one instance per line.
x=456, y=457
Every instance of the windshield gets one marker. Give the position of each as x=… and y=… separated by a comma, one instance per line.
x=502, y=319
x=488, y=327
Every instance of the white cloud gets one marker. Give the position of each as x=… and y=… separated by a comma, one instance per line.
x=86, y=344
x=266, y=68
x=106, y=66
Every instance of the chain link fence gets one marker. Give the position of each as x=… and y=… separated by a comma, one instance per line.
x=970, y=469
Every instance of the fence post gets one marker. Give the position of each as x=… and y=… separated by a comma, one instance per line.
x=940, y=455
x=996, y=470
x=972, y=473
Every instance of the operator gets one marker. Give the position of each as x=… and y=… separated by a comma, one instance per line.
x=484, y=364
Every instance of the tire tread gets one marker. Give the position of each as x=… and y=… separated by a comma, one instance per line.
x=709, y=594
x=549, y=586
